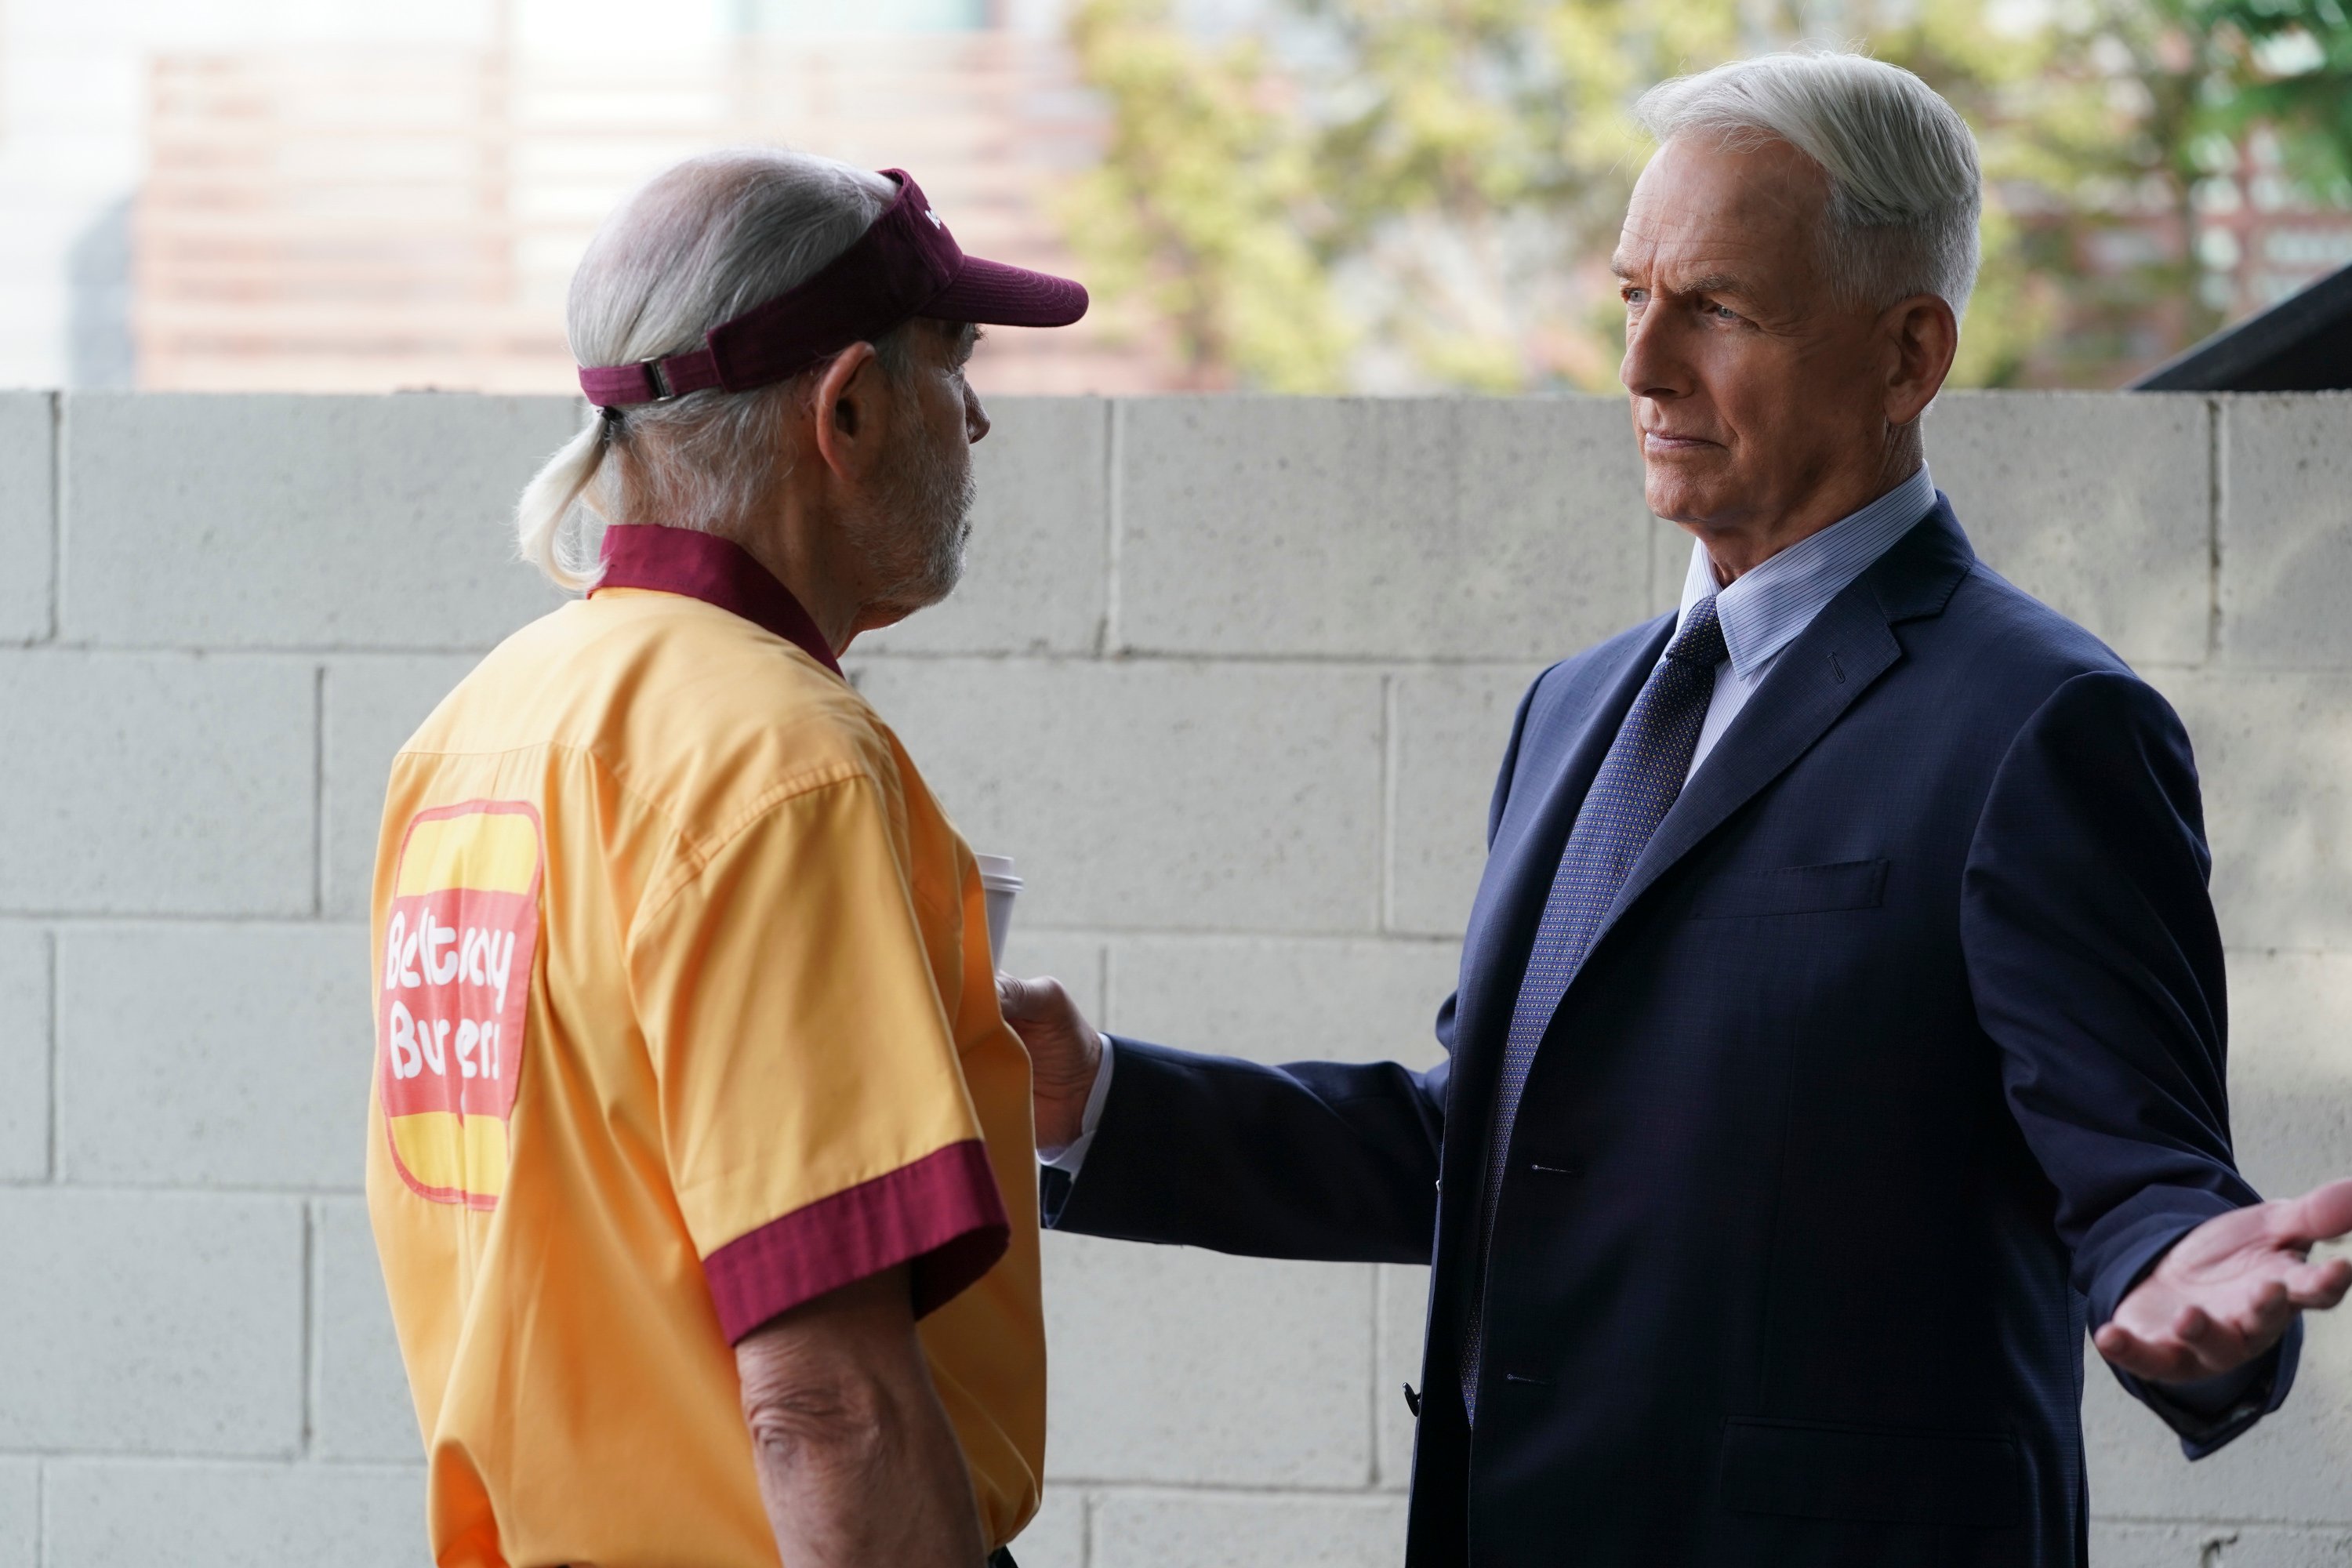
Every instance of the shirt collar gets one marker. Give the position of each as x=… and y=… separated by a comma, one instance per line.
x=714, y=570
x=1764, y=609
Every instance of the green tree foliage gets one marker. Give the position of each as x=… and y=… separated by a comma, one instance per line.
x=1424, y=193
x=1198, y=204
x=2286, y=64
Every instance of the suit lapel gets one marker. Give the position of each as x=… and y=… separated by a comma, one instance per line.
x=1554, y=770
x=1817, y=678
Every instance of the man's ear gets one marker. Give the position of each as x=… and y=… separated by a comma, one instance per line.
x=1924, y=336
x=852, y=407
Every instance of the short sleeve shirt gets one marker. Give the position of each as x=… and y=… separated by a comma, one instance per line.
x=684, y=1016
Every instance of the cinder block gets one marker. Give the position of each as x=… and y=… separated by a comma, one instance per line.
x=1076, y=961
x=1451, y=727
x=2286, y=531
x=27, y=513
x=156, y=785
x=226, y=1056
x=2275, y=756
x=2291, y=1467
x=2130, y=1543
x=1037, y=577
x=2120, y=1543
x=1382, y=527
x=24, y=1053
x=151, y=1322
x=301, y=520
x=1189, y=1367
x=363, y=1409
x=1056, y=1538
x=370, y=708
x=2291, y=1070
x=2099, y=505
x=20, y=1513
x=1403, y=1318
x=1284, y=999
x=103, y=1513
x=1202, y=1530
x=1156, y=796
x=2289, y=1075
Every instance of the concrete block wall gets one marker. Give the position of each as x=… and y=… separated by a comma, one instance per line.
x=1229, y=677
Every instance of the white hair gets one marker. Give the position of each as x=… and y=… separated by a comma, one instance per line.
x=1904, y=186
x=698, y=244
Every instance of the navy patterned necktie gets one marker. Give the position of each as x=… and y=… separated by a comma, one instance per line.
x=1638, y=781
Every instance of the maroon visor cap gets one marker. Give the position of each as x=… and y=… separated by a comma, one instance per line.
x=905, y=264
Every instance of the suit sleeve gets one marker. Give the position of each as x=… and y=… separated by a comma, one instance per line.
x=1315, y=1160
x=2096, y=967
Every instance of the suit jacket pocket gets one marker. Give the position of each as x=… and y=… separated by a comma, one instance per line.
x=1792, y=890
x=1883, y=1474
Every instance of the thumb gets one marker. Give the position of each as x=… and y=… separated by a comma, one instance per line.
x=2322, y=1213
x=1025, y=1000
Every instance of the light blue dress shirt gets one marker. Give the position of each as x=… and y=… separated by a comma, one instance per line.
x=1762, y=611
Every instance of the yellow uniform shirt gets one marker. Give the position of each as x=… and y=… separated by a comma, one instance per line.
x=684, y=1016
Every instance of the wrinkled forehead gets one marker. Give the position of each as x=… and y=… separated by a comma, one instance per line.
x=1704, y=204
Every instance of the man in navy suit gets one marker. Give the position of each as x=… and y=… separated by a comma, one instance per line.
x=1840, y=1027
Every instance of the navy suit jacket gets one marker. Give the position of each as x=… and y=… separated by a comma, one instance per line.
x=1899, y=1058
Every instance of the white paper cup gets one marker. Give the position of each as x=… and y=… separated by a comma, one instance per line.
x=1002, y=887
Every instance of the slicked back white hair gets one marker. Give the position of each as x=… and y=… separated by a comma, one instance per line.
x=1905, y=189
x=698, y=244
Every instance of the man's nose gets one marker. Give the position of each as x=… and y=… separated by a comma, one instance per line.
x=1651, y=366
x=975, y=418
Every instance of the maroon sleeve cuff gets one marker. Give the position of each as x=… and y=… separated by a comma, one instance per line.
x=943, y=1215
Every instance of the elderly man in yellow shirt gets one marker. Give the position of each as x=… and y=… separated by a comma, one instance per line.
x=699, y=1155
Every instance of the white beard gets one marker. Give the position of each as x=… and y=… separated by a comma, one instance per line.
x=916, y=531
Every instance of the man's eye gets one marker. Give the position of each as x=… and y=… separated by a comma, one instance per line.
x=1636, y=296
x=1723, y=313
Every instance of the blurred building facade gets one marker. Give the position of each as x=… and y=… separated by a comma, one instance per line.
x=2251, y=235
x=238, y=194
x=369, y=220
x=340, y=196
x=2259, y=239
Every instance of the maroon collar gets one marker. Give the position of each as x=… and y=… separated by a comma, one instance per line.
x=714, y=570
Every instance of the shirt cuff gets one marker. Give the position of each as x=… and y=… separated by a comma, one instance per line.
x=2210, y=1414
x=1067, y=1160
x=2213, y=1399
x=940, y=1216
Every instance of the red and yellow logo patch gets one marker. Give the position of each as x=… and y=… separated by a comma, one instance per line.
x=456, y=987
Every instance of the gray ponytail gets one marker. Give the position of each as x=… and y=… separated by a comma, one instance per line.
x=551, y=499
x=700, y=244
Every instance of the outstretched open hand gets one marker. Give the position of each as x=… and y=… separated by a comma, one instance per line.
x=2228, y=1290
